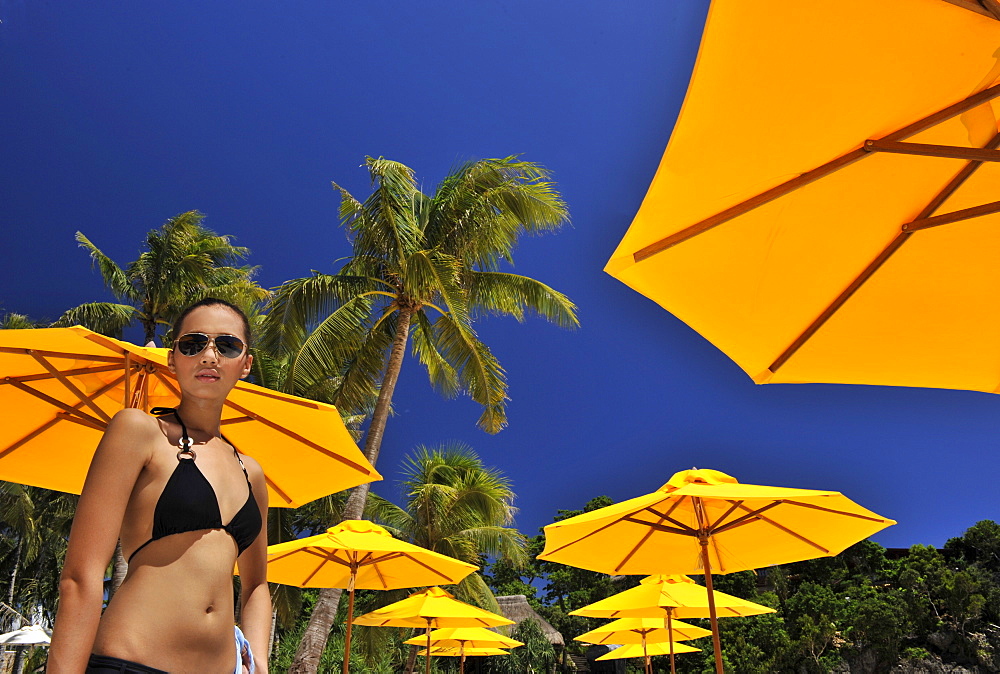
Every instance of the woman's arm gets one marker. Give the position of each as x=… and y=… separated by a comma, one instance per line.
x=120, y=457
x=254, y=593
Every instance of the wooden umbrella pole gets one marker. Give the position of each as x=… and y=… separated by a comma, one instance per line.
x=350, y=619
x=670, y=635
x=716, y=645
x=645, y=655
x=461, y=664
x=428, y=658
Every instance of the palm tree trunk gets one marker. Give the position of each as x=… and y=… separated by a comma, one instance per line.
x=355, y=507
x=313, y=643
x=13, y=574
x=120, y=571
x=310, y=649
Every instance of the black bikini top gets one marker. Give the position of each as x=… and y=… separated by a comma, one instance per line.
x=189, y=503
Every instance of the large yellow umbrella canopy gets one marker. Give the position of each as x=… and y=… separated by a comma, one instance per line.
x=743, y=526
x=359, y=554
x=828, y=206
x=362, y=551
x=704, y=521
x=59, y=387
x=431, y=608
x=465, y=641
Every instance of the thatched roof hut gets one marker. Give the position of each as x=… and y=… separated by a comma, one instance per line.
x=516, y=607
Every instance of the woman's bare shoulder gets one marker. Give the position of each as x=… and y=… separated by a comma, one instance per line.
x=132, y=426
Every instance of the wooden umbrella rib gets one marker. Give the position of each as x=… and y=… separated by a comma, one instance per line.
x=794, y=534
x=735, y=504
x=662, y=527
x=71, y=386
x=813, y=175
x=29, y=437
x=954, y=216
x=61, y=354
x=69, y=373
x=235, y=420
x=73, y=419
x=974, y=6
x=65, y=407
x=302, y=402
x=635, y=548
x=430, y=568
x=929, y=150
x=166, y=382
x=295, y=436
x=667, y=516
x=277, y=490
x=744, y=519
x=836, y=512
x=882, y=257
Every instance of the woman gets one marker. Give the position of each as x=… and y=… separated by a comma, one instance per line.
x=185, y=505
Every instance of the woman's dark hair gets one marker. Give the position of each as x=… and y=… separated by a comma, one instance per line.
x=212, y=302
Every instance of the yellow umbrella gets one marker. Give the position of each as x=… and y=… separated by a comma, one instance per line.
x=660, y=598
x=827, y=208
x=637, y=651
x=470, y=652
x=704, y=521
x=467, y=641
x=60, y=387
x=431, y=608
x=358, y=553
x=645, y=631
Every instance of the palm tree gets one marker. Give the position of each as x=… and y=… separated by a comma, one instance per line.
x=424, y=266
x=454, y=505
x=183, y=262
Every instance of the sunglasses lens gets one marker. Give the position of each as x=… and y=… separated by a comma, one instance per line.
x=229, y=346
x=192, y=344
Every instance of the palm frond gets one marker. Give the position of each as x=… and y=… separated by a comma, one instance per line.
x=101, y=317
x=299, y=304
x=479, y=372
x=115, y=277
x=442, y=375
x=513, y=295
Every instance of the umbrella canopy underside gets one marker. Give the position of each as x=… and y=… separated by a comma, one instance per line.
x=788, y=224
x=60, y=388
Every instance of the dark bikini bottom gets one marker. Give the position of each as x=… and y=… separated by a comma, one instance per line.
x=105, y=664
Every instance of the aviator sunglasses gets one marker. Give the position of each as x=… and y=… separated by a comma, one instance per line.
x=193, y=343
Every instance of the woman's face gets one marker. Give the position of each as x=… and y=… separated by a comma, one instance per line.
x=209, y=374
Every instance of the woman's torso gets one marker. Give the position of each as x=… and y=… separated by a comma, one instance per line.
x=174, y=611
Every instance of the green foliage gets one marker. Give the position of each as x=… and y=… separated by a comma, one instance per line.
x=433, y=260
x=536, y=655
x=182, y=263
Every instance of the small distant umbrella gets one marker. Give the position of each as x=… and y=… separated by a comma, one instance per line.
x=644, y=631
x=466, y=640
x=469, y=652
x=359, y=554
x=704, y=521
x=637, y=651
x=431, y=608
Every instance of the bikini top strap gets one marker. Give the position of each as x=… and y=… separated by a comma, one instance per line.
x=185, y=442
x=237, y=455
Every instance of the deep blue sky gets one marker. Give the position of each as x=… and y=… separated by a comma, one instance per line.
x=118, y=115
